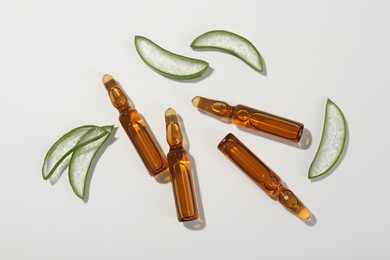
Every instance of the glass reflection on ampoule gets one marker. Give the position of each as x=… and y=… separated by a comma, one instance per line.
x=251, y=118
x=179, y=167
x=262, y=175
x=136, y=128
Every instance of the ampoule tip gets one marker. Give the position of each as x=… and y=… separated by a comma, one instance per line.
x=170, y=112
x=304, y=214
x=107, y=78
x=195, y=101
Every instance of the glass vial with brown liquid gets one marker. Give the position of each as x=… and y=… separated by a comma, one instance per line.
x=251, y=118
x=262, y=175
x=135, y=127
x=179, y=167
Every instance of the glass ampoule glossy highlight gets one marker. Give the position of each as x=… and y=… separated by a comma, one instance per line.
x=179, y=167
x=262, y=175
x=136, y=128
x=251, y=118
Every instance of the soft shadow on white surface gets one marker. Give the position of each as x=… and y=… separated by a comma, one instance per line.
x=303, y=144
x=339, y=161
x=306, y=139
x=312, y=221
x=163, y=177
x=264, y=72
x=205, y=75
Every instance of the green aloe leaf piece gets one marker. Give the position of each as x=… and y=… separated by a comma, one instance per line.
x=167, y=63
x=63, y=148
x=332, y=141
x=231, y=43
x=82, y=158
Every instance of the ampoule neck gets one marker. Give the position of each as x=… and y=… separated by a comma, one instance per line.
x=173, y=132
x=119, y=99
x=117, y=96
x=218, y=108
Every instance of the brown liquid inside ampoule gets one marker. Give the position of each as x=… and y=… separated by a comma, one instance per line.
x=262, y=175
x=179, y=167
x=135, y=127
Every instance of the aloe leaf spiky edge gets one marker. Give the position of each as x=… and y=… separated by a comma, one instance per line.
x=103, y=138
x=173, y=55
x=258, y=67
x=336, y=158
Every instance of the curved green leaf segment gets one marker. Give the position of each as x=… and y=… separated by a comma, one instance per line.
x=231, y=43
x=81, y=144
x=167, y=63
x=332, y=141
x=82, y=158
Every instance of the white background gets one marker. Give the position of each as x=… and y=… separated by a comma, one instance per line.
x=53, y=55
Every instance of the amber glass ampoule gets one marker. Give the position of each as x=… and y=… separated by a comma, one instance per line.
x=135, y=127
x=179, y=167
x=251, y=118
x=262, y=175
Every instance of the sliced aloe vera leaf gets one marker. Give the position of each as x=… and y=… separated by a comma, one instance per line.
x=62, y=149
x=82, y=158
x=168, y=63
x=231, y=43
x=332, y=141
